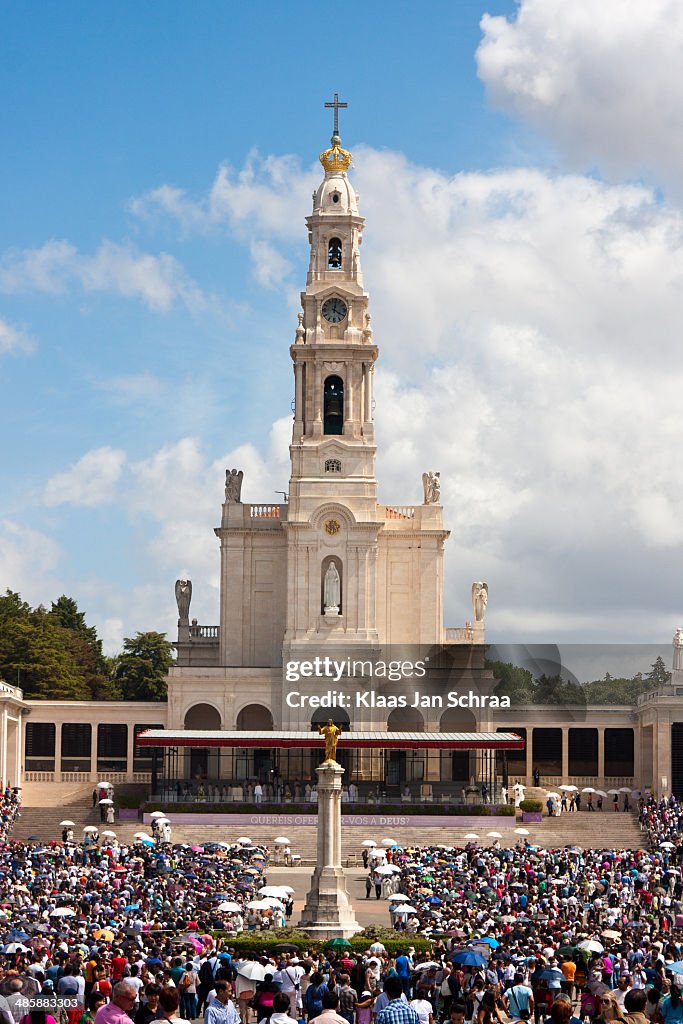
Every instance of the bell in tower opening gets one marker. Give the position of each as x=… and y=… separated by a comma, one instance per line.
x=334, y=406
x=334, y=254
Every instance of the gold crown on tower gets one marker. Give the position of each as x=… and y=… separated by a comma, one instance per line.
x=336, y=160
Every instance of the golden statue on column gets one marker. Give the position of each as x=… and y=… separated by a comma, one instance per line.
x=331, y=732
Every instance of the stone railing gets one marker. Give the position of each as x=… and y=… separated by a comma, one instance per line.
x=264, y=511
x=461, y=635
x=205, y=632
x=399, y=511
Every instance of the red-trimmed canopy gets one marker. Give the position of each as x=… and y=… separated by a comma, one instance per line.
x=381, y=740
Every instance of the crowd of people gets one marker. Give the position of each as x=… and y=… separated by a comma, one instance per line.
x=10, y=809
x=98, y=933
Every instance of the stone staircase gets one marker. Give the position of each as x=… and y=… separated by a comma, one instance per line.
x=604, y=830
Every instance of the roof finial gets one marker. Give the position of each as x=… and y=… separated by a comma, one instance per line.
x=336, y=104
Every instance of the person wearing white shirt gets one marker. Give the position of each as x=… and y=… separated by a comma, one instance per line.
x=423, y=1008
x=279, y=1014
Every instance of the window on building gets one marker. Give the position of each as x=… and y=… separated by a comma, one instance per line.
x=40, y=746
x=619, y=757
x=583, y=752
x=76, y=747
x=334, y=254
x=333, y=466
x=547, y=751
x=333, y=412
x=112, y=747
x=143, y=757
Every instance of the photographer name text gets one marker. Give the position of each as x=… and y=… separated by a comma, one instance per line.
x=416, y=699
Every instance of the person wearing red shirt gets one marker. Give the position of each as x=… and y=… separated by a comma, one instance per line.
x=118, y=965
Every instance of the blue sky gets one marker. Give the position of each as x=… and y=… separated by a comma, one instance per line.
x=522, y=255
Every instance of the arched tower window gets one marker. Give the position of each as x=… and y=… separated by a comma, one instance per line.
x=334, y=254
x=333, y=465
x=333, y=399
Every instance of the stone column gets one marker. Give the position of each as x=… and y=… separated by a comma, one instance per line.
x=3, y=740
x=328, y=912
x=565, y=753
x=529, y=749
x=19, y=778
x=601, y=757
x=58, y=752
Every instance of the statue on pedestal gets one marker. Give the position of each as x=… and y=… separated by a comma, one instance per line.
x=233, y=485
x=480, y=598
x=431, y=484
x=678, y=649
x=183, y=596
x=331, y=732
x=332, y=590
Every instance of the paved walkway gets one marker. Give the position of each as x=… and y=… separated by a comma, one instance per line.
x=368, y=912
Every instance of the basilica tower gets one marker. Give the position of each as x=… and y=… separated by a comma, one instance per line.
x=332, y=527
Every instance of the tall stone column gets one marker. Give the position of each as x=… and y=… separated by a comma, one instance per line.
x=328, y=912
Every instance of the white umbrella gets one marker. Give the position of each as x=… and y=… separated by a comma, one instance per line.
x=228, y=907
x=141, y=835
x=163, y=821
x=666, y=845
x=106, y=802
x=389, y=842
x=90, y=828
x=15, y=947
x=405, y=909
x=282, y=841
x=67, y=823
x=570, y=789
x=592, y=945
x=272, y=901
x=264, y=904
x=62, y=912
x=244, y=841
x=495, y=835
x=252, y=971
x=385, y=870
x=275, y=890
x=588, y=789
x=109, y=834
x=625, y=789
x=553, y=796
x=398, y=897
x=157, y=814
x=522, y=831
x=612, y=792
x=368, y=842
x=104, y=785
x=471, y=835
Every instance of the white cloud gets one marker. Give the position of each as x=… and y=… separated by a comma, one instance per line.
x=28, y=560
x=269, y=266
x=259, y=198
x=90, y=482
x=602, y=80
x=528, y=328
x=14, y=339
x=158, y=281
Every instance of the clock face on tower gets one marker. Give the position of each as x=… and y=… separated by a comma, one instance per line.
x=334, y=310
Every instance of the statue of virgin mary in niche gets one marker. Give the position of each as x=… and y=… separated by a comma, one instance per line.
x=332, y=590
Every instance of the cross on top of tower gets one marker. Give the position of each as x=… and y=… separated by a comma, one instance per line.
x=337, y=105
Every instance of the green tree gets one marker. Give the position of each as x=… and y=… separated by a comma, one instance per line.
x=86, y=648
x=37, y=654
x=556, y=690
x=658, y=674
x=615, y=691
x=142, y=667
x=513, y=682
